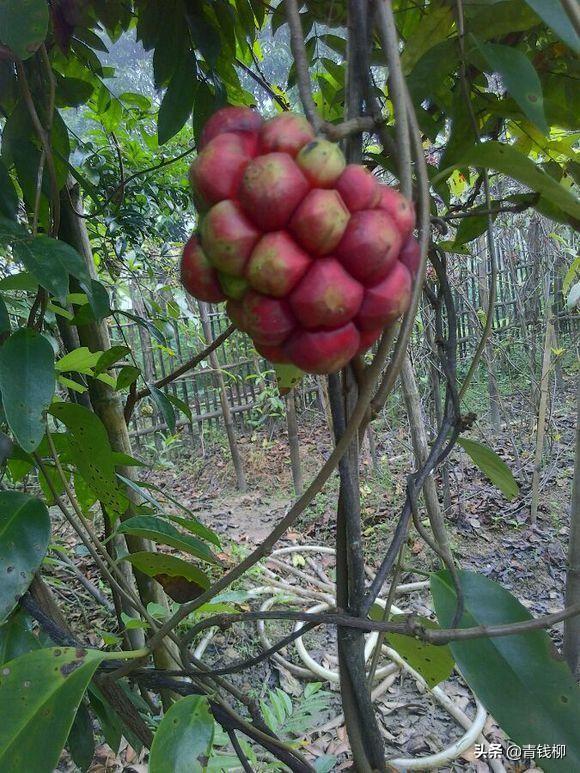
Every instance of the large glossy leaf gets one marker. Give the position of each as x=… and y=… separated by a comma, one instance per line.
x=24, y=535
x=177, y=101
x=23, y=25
x=435, y=663
x=16, y=637
x=8, y=195
x=52, y=262
x=92, y=454
x=163, y=405
x=27, y=384
x=81, y=739
x=153, y=564
x=163, y=532
x=506, y=159
x=552, y=12
x=434, y=27
x=519, y=78
x=39, y=696
x=491, y=465
x=183, y=741
x=527, y=689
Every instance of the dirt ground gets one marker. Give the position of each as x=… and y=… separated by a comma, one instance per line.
x=489, y=534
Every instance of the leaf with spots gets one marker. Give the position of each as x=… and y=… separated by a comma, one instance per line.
x=184, y=739
x=161, y=531
x=92, y=454
x=519, y=78
x=24, y=536
x=40, y=693
x=520, y=680
x=181, y=580
x=27, y=384
x=434, y=663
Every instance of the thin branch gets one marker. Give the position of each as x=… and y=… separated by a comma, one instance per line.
x=301, y=63
x=397, y=91
x=261, y=81
x=412, y=626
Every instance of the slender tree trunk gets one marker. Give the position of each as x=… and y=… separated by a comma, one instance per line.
x=293, y=443
x=226, y=412
x=494, y=414
x=543, y=405
x=109, y=408
x=572, y=624
x=146, y=354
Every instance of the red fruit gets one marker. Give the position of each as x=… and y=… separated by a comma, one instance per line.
x=401, y=210
x=327, y=296
x=320, y=221
x=276, y=264
x=285, y=133
x=358, y=187
x=322, y=163
x=370, y=246
x=271, y=353
x=216, y=173
x=368, y=338
x=228, y=237
x=198, y=276
x=410, y=255
x=268, y=320
x=323, y=351
x=272, y=187
x=232, y=286
x=236, y=313
x=230, y=119
x=386, y=301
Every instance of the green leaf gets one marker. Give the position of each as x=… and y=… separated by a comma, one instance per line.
x=92, y=453
x=72, y=92
x=27, y=384
x=160, y=531
x=43, y=690
x=506, y=159
x=287, y=376
x=519, y=78
x=470, y=228
x=81, y=360
x=8, y=195
x=153, y=331
x=520, y=681
x=184, y=739
x=127, y=375
x=152, y=564
x=16, y=637
x=177, y=101
x=180, y=405
x=491, y=465
x=434, y=663
x=23, y=25
x=4, y=320
x=110, y=357
x=81, y=739
x=51, y=262
x=434, y=28
x=24, y=535
x=552, y=12
x=163, y=405
x=21, y=281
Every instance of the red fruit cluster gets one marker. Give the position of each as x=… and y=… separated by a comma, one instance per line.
x=313, y=256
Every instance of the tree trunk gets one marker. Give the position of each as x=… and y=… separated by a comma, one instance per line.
x=543, y=405
x=226, y=412
x=494, y=414
x=572, y=624
x=146, y=354
x=108, y=406
x=293, y=443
